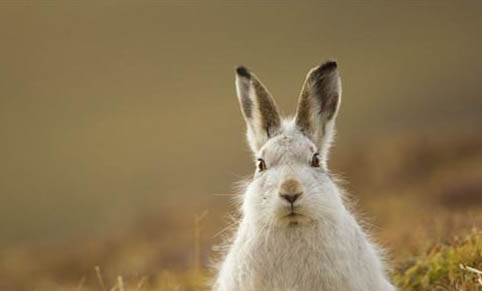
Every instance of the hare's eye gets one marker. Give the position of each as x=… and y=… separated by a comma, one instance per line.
x=315, y=161
x=261, y=165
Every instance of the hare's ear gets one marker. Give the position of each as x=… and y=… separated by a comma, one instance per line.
x=258, y=107
x=318, y=105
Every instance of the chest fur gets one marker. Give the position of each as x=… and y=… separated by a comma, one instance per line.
x=294, y=262
x=301, y=259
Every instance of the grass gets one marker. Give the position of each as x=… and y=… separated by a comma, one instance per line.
x=455, y=266
x=162, y=282
x=443, y=267
x=446, y=267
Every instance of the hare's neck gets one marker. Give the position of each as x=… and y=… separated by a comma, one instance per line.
x=302, y=240
x=323, y=256
x=311, y=235
x=295, y=252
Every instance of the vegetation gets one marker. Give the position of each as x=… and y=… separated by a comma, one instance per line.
x=446, y=267
x=442, y=267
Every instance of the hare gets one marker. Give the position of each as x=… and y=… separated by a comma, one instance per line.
x=295, y=232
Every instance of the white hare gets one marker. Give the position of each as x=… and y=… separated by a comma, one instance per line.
x=295, y=231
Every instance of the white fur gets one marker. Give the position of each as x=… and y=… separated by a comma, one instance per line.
x=323, y=248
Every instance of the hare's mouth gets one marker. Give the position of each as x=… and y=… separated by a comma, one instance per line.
x=294, y=218
x=293, y=215
x=294, y=211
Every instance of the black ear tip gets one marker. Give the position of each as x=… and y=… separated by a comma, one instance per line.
x=328, y=66
x=243, y=71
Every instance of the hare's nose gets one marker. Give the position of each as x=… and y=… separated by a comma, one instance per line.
x=290, y=190
x=291, y=198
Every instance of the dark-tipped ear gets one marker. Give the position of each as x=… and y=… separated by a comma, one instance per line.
x=318, y=104
x=258, y=107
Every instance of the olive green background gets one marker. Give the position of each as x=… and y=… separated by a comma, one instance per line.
x=111, y=111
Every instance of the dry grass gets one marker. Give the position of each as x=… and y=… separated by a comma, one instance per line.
x=421, y=197
x=446, y=267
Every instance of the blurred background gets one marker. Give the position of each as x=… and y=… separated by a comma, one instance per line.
x=120, y=130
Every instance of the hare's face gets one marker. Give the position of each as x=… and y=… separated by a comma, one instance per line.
x=291, y=185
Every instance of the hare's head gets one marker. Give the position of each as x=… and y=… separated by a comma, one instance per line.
x=291, y=185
